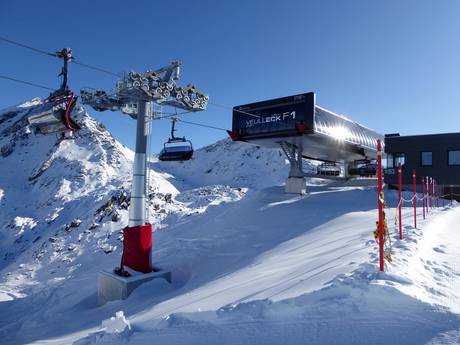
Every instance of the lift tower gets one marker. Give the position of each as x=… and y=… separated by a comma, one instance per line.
x=133, y=96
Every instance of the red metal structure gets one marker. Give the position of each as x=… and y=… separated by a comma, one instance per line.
x=428, y=194
x=423, y=196
x=443, y=195
x=436, y=193
x=400, y=199
x=137, y=248
x=414, y=178
x=380, y=206
x=431, y=192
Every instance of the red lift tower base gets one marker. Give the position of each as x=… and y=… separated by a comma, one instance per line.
x=137, y=248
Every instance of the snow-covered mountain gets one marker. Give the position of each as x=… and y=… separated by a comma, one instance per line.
x=251, y=265
x=58, y=196
x=234, y=164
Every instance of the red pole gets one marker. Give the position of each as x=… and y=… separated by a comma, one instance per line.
x=400, y=199
x=380, y=205
x=423, y=196
x=443, y=196
x=435, y=193
x=414, y=178
x=431, y=192
x=427, y=191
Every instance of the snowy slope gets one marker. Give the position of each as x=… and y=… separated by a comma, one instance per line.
x=302, y=280
x=234, y=164
x=251, y=265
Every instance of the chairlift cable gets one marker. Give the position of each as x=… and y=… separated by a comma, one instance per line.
x=169, y=115
x=29, y=83
x=22, y=45
x=96, y=68
x=202, y=125
x=27, y=47
x=233, y=109
x=99, y=69
x=26, y=83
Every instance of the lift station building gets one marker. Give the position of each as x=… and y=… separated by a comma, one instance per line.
x=433, y=155
x=303, y=130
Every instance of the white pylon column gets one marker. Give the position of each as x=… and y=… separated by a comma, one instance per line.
x=138, y=189
x=296, y=183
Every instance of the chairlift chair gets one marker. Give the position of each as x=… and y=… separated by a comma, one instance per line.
x=363, y=167
x=55, y=114
x=328, y=169
x=172, y=152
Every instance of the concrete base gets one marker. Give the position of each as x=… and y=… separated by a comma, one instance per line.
x=111, y=287
x=296, y=185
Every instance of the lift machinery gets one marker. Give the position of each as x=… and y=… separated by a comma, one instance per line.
x=133, y=96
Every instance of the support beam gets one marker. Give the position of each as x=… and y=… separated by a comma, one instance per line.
x=138, y=191
x=295, y=183
x=346, y=166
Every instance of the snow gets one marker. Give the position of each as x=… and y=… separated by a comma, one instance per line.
x=230, y=163
x=116, y=324
x=251, y=264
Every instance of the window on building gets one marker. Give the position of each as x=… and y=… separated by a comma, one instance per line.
x=426, y=158
x=399, y=158
x=389, y=161
x=454, y=157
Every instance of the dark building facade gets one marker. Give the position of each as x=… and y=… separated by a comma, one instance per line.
x=433, y=155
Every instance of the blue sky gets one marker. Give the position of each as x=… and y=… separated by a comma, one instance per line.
x=391, y=65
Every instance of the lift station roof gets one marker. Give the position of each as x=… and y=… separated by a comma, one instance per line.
x=297, y=120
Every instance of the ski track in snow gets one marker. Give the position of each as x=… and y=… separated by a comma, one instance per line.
x=251, y=265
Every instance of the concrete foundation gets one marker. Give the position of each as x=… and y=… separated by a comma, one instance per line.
x=111, y=287
x=296, y=185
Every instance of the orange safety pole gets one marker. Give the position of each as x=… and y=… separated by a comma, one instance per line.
x=380, y=205
x=423, y=196
x=400, y=199
x=414, y=177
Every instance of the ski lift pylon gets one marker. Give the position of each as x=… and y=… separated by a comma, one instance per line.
x=176, y=149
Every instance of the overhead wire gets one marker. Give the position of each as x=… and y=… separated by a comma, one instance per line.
x=167, y=116
x=170, y=115
x=202, y=125
x=96, y=68
x=233, y=109
x=27, y=47
x=99, y=69
x=73, y=60
x=26, y=83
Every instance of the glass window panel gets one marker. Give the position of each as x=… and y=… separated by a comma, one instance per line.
x=399, y=158
x=454, y=157
x=427, y=158
x=390, y=161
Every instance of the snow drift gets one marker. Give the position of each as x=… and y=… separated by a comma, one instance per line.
x=251, y=265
